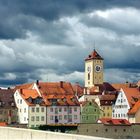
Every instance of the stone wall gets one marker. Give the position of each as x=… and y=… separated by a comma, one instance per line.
x=7, y=133
x=109, y=131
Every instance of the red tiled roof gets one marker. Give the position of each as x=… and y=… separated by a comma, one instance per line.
x=118, y=86
x=3, y=124
x=78, y=89
x=26, y=93
x=108, y=121
x=57, y=88
x=132, y=94
x=135, y=108
x=94, y=55
x=24, y=86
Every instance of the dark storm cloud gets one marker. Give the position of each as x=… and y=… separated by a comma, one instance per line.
x=48, y=10
x=49, y=39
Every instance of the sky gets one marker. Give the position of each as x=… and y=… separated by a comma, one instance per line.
x=48, y=40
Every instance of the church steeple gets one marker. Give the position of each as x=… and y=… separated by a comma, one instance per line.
x=93, y=69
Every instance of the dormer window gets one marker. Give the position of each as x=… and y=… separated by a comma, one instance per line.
x=12, y=104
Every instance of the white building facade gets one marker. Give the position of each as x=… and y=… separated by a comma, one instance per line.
x=121, y=107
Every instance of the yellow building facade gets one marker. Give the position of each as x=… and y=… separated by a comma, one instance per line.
x=93, y=70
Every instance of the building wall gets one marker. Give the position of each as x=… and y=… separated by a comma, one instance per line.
x=8, y=115
x=37, y=116
x=90, y=113
x=121, y=107
x=22, y=108
x=63, y=114
x=109, y=131
x=8, y=133
x=137, y=116
x=106, y=111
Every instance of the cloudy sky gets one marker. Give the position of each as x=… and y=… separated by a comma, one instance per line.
x=49, y=39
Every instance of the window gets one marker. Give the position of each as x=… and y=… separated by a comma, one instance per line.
x=24, y=110
x=75, y=117
x=32, y=118
x=24, y=118
x=37, y=118
x=32, y=126
x=70, y=110
x=51, y=109
x=95, y=110
x=42, y=109
x=42, y=118
x=103, y=114
x=33, y=109
x=108, y=114
x=1, y=111
x=20, y=110
x=20, y=101
x=37, y=109
x=106, y=130
x=88, y=76
x=56, y=110
x=51, y=117
x=119, y=115
x=65, y=109
x=115, y=130
x=108, y=108
x=60, y=117
x=124, y=130
x=75, y=109
x=65, y=117
x=60, y=109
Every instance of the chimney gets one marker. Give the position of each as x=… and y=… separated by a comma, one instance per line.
x=61, y=84
x=8, y=88
x=37, y=82
x=21, y=90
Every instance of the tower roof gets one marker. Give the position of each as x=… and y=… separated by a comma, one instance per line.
x=94, y=55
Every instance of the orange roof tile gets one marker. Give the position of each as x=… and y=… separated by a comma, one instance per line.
x=24, y=86
x=57, y=88
x=3, y=124
x=108, y=121
x=135, y=108
x=132, y=94
x=26, y=93
x=118, y=86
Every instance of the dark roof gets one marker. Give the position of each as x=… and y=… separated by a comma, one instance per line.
x=94, y=55
x=105, y=87
x=7, y=98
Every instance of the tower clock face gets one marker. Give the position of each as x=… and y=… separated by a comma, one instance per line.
x=98, y=68
x=89, y=69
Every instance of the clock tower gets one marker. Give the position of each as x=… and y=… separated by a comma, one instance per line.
x=93, y=69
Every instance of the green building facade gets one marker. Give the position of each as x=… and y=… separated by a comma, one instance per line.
x=90, y=112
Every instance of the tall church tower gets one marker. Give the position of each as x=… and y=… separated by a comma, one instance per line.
x=93, y=69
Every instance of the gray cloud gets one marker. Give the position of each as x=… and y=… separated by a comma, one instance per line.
x=49, y=40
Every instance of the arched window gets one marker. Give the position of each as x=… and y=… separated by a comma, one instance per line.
x=88, y=76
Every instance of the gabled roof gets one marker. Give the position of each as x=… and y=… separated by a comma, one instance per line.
x=94, y=55
x=108, y=121
x=135, y=108
x=118, y=86
x=56, y=88
x=29, y=95
x=26, y=93
x=61, y=100
x=24, y=86
x=132, y=95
